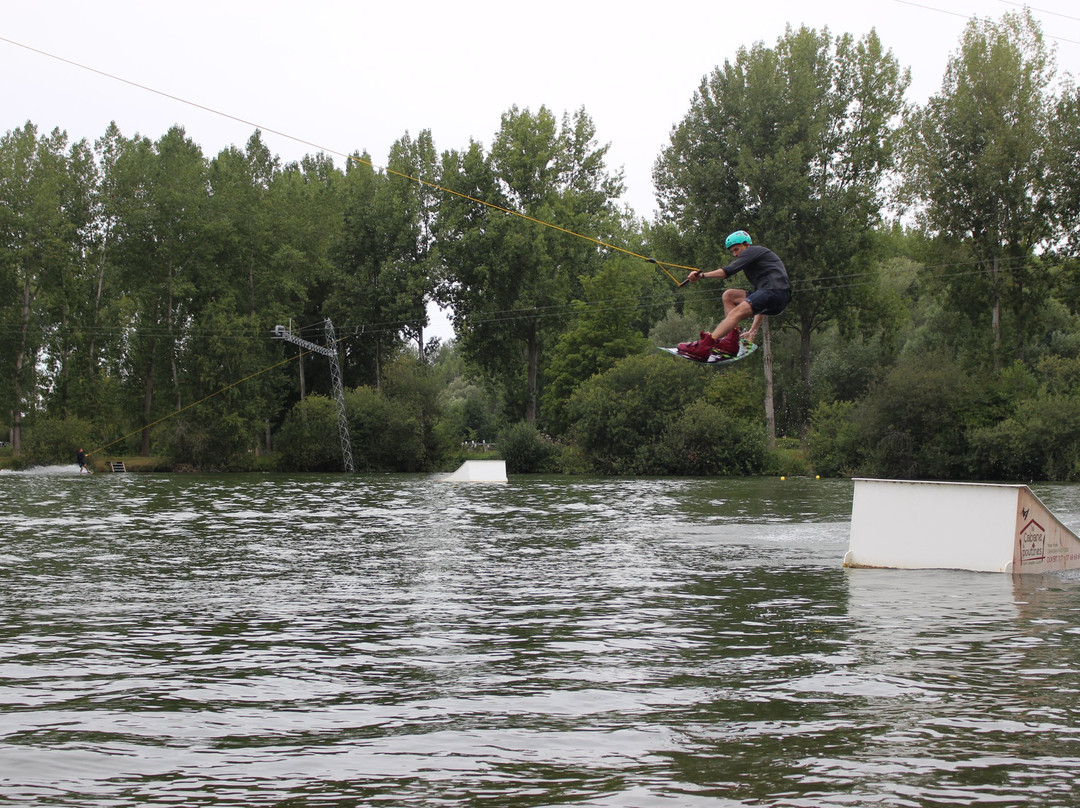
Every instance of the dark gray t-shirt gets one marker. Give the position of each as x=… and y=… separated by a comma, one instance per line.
x=763, y=268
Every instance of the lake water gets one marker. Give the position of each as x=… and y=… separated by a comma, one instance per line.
x=332, y=640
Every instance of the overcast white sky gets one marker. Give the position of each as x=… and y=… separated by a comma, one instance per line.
x=350, y=75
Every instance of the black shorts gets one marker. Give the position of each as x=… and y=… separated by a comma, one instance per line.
x=768, y=301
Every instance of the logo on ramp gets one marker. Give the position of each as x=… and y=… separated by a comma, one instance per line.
x=1032, y=542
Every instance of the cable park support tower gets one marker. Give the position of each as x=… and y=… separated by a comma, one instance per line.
x=329, y=350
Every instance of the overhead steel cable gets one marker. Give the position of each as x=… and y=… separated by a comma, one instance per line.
x=353, y=158
x=1041, y=10
x=664, y=265
x=1054, y=37
x=711, y=291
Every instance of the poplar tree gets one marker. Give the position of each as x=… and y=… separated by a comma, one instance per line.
x=238, y=294
x=510, y=280
x=45, y=217
x=385, y=272
x=411, y=205
x=977, y=165
x=1064, y=168
x=160, y=249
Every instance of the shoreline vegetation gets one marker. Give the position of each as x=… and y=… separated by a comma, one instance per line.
x=785, y=461
x=230, y=312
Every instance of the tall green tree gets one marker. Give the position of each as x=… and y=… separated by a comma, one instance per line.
x=363, y=290
x=1064, y=167
x=792, y=143
x=106, y=319
x=239, y=294
x=160, y=249
x=308, y=208
x=70, y=363
x=386, y=274
x=977, y=165
x=608, y=327
x=241, y=228
x=45, y=224
x=508, y=279
x=411, y=206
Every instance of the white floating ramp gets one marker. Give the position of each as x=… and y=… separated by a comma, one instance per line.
x=479, y=471
x=969, y=526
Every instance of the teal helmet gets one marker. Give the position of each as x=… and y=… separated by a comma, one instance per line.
x=738, y=237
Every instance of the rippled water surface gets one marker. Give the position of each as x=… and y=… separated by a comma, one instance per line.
x=398, y=640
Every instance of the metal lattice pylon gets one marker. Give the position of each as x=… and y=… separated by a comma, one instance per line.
x=330, y=351
x=339, y=394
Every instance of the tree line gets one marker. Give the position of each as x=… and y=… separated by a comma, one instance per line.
x=933, y=249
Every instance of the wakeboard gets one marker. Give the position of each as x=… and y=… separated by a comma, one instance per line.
x=745, y=349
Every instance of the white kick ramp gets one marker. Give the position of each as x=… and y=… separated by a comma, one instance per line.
x=479, y=471
x=968, y=526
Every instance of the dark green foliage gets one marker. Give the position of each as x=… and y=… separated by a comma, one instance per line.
x=1040, y=441
x=46, y=225
x=508, y=279
x=51, y=440
x=985, y=163
x=651, y=415
x=676, y=327
x=308, y=439
x=384, y=273
x=928, y=419
x=833, y=445
x=390, y=430
x=383, y=437
x=607, y=328
x=1036, y=435
x=477, y=421
x=412, y=442
x=207, y=440
x=524, y=449
x=708, y=440
x=619, y=416
x=1064, y=165
x=911, y=424
x=845, y=368
x=738, y=390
